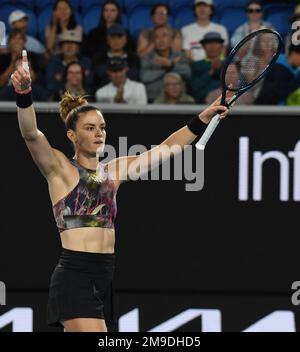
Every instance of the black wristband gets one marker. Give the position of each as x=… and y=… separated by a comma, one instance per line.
x=24, y=100
x=196, y=126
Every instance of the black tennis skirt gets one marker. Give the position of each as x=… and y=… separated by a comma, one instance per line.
x=81, y=287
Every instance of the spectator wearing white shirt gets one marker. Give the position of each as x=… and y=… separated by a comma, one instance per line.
x=121, y=89
x=193, y=33
x=18, y=20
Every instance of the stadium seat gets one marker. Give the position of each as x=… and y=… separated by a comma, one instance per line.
x=219, y=4
x=91, y=18
x=279, y=17
x=139, y=19
x=175, y=5
x=5, y=11
x=131, y=5
x=232, y=17
x=19, y=4
x=183, y=17
x=87, y=5
x=42, y=4
x=44, y=19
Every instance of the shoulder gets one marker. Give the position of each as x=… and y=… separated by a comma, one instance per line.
x=217, y=27
x=189, y=27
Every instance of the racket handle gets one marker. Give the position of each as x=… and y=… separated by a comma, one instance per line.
x=208, y=132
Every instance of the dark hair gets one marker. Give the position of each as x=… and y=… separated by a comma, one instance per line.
x=102, y=24
x=72, y=21
x=254, y=2
x=294, y=48
x=71, y=107
x=213, y=10
x=160, y=4
x=82, y=72
x=15, y=33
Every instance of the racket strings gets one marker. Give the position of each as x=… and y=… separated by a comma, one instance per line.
x=251, y=60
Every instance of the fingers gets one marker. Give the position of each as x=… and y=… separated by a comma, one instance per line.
x=222, y=110
x=22, y=76
x=16, y=82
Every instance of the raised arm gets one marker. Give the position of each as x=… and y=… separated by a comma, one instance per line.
x=126, y=168
x=46, y=158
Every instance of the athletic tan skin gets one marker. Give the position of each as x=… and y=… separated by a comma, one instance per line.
x=62, y=176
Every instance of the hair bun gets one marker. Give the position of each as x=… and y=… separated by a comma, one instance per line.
x=70, y=102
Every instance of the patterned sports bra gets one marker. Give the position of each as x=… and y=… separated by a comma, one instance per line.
x=92, y=203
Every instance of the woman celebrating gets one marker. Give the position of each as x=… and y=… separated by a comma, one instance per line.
x=83, y=194
x=63, y=19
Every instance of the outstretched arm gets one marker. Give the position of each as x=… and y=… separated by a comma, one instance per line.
x=126, y=168
x=46, y=158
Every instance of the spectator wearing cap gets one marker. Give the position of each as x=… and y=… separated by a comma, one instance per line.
x=116, y=40
x=159, y=15
x=18, y=20
x=8, y=60
x=206, y=73
x=95, y=41
x=174, y=91
x=193, y=33
x=254, y=11
x=121, y=89
x=162, y=60
x=70, y=42
x=73, y=81
x=63, y=19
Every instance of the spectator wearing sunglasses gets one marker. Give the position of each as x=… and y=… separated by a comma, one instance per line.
x=255, y=22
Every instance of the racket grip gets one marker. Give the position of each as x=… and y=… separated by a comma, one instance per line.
x=208, y=132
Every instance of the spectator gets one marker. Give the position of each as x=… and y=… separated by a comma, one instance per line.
x=70, y=42
x=159, y=16
x=15, y=45
x=255, y=22
x=206, y=73
x=18, y=20
x=173, y=91
x=95, y=42
x=162, y=60
x=63, y=19
x=121, y=89
x=73, y=81
x=283, y=81
x=116, y=40
x=193, y=33
x=251, y=66
x=39, y=93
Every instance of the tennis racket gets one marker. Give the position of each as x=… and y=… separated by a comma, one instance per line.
x=247, y=64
